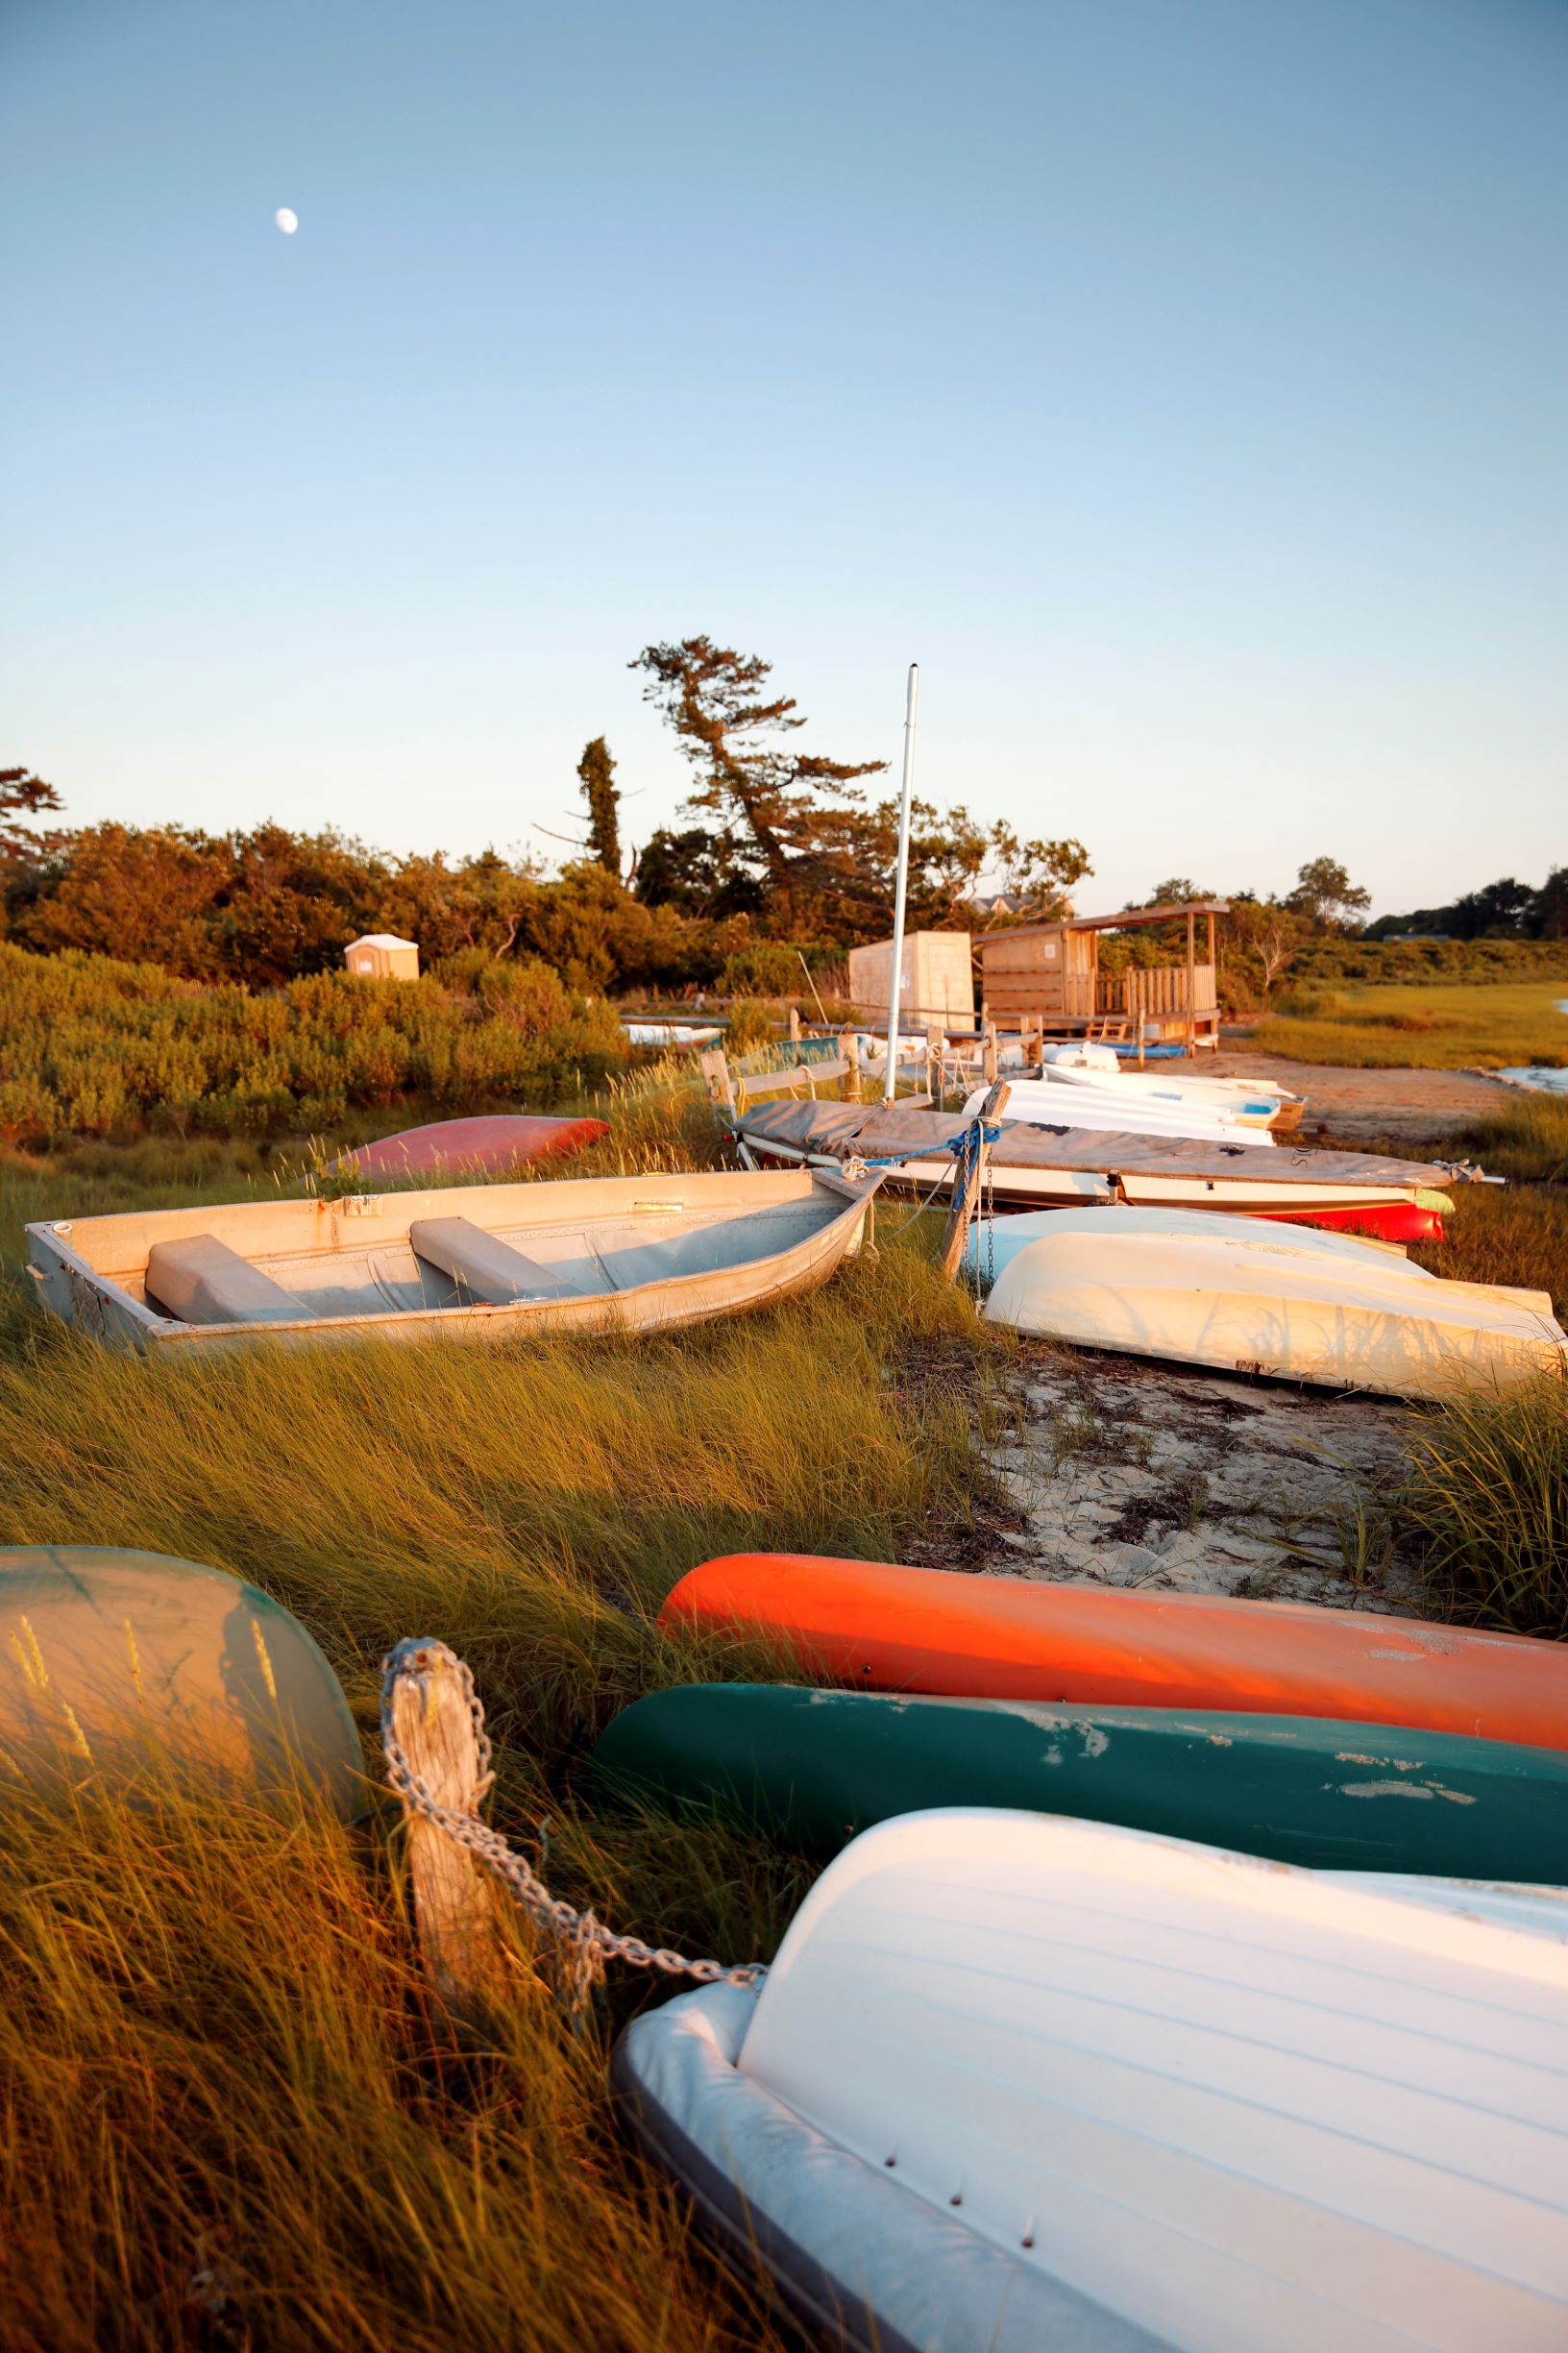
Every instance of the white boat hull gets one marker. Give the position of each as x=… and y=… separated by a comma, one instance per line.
x=1224, y=1293
x=1039, y=1103
x=1022, y=2082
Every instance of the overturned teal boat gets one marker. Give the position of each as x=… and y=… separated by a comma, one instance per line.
x=818, y=1767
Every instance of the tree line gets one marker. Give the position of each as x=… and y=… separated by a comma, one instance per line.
x=778, y=849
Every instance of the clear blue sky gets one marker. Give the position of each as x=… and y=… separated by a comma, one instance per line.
x=1181, y=381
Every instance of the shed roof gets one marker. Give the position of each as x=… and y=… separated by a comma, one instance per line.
x=382, y=938
x=1126, y=918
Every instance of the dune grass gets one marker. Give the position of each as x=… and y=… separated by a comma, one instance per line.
x=1526, y=1139
x=233, y=2116
x=1516, y=1235
x=1438, y=1025
x=1486, y=1506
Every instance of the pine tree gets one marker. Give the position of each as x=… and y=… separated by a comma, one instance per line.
x=597, y=769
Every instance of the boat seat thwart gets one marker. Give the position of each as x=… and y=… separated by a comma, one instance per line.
x=201, y=1281
x=480, y=1264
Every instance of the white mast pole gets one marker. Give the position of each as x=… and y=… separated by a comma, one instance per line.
x=896, y=976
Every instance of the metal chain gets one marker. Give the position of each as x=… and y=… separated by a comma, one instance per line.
x=584, y=1943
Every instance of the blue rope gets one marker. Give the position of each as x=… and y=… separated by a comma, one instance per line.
x=960, y=1146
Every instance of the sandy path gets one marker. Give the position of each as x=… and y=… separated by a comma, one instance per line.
x=1419, y=1110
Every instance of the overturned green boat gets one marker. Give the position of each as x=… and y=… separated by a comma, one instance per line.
x=818, y=1767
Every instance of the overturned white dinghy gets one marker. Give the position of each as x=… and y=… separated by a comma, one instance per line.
x=466, y=1262
x=1017, y=2082
x=1226, y=1291
x=1039, y=1102
x=1253, y=1102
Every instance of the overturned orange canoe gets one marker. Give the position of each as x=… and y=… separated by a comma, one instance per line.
x=889, y=1628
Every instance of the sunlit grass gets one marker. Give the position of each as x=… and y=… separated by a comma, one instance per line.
x=1488, y=1503
x=1438, y=1025
x=235, y=2118
x=231, y=2115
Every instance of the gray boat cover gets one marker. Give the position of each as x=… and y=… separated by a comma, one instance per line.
x=868, y=2262
x=841, y=1129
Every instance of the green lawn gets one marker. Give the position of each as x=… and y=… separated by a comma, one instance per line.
x=1440, y=1026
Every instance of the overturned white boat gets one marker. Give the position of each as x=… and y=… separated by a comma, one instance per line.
x=1224, y=1291
x=1019, y=2082
x=1251, y=1102
x=1039, y=1103
x=477, y=1262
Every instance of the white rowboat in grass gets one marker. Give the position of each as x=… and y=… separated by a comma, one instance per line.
x=474, y=1261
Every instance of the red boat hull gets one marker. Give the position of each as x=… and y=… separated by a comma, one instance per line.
x=502, y=1141
x=1388, y=1221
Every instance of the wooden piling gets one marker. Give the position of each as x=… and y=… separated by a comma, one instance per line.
x=715, y=1069
x=457, y=1900
x=966, y=1196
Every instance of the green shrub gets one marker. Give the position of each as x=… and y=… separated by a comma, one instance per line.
x=90, y=1046
x=1306, y=1003
x=766, y=968
x=751, y=1023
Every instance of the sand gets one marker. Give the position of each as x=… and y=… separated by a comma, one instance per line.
x=1120, y=1471
x=1412, y=1110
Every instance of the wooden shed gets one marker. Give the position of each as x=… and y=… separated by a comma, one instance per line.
x=381, y=955
x=1048, y=975
x=936, y=985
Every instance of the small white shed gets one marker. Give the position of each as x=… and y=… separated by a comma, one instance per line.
x=381, y=955
x=937, y=983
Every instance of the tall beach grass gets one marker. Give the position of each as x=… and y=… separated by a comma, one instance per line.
x=235, y=2116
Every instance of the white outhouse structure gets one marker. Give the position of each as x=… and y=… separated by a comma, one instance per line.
x=936, y=985
x=381, y=955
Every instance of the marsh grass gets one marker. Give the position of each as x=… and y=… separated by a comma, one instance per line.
x=221, y=2065
x=1526, y=1139
x=1516, y=1235
x=1434, y=1025
x=1486, y=1506
x=235, y=2116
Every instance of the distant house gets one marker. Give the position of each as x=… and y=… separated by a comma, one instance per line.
x=381, y=955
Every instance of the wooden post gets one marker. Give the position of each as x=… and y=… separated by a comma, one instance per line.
x=1034, y=1040
x=935, y=1045
x=795, y=1024
x=455, y=1899
x=1192, y=984
x=966, y=1196
x=851, y=1081
x=988, y=1052
x=715, y=1069
x=1213, y=966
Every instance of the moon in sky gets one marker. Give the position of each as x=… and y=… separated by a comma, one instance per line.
x=287, y=220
